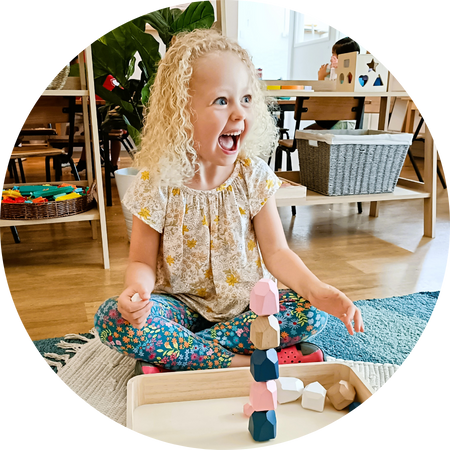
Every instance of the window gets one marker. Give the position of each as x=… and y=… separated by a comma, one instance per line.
x=308, y=29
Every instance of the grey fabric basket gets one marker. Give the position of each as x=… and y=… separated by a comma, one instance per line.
x=351, y=162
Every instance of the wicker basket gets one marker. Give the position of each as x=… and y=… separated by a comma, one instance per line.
x=50, y=210
x=60, y=80
x=349, y=162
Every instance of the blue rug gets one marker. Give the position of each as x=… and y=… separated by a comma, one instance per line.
x=392, y=328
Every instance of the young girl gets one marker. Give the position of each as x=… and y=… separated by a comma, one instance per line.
x=344, y=45
x=327, y=72
x=206, y=227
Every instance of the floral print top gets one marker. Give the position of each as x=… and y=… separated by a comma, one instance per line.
x=208, y=255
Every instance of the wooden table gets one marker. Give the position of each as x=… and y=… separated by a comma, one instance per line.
x=406, y=189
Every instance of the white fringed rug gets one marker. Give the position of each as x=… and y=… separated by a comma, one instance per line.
x=99, y=375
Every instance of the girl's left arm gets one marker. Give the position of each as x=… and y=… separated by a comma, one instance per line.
x=289, y=269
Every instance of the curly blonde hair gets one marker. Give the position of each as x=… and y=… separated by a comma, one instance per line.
x=167, y=145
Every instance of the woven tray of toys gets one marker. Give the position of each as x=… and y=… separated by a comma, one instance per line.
x=45, y=201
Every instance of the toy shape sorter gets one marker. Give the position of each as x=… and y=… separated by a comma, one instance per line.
x=265, y=335
x=360, y=73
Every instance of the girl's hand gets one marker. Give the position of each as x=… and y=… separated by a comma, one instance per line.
x=332, y=301
x=134, y=312
x=322, y=72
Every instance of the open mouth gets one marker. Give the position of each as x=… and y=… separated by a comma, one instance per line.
x=229, y=142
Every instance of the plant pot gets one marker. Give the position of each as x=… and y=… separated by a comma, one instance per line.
x=124, y=177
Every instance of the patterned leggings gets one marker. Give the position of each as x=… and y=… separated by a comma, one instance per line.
x=177, y=338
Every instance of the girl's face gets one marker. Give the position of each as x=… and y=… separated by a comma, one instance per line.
x=221, y=102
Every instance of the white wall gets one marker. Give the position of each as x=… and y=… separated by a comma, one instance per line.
x=263, y=32
x=309, y=56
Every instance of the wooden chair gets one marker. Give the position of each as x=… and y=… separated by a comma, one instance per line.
x=39, y=128
x=318, y=109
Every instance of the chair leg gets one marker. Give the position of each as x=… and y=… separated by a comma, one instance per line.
x=441, y=177
x=14, y=171
x=74, y=170
x=416, y=169
x=278, y=158
x=22, y=172
x=48, y=175
x=58, y=168
x=360, y=210
x=15, y=235
x=288, y=161
x=10, y=169
x=294, y=210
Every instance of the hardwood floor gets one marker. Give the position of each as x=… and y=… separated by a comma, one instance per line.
x=57, y=280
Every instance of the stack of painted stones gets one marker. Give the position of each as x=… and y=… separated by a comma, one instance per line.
x=265, y=336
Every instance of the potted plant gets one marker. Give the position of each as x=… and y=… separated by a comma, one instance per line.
x=125, y=87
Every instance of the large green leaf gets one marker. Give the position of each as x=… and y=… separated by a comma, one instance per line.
x=114, y=52
x=131, y=67
x=145, y=92
x=116, y=96
x=161, y=21
x=107, y=62
x=145, y=44
x=196, y=15
x=133, y=132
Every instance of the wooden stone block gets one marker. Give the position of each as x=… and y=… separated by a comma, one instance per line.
x=263, y=395
x=289, y=389
x=263, y=425
x=264, y=298
x=341, y=394
x=264, y=365
x=265, y=332
x=313, y=397
x=248, y=409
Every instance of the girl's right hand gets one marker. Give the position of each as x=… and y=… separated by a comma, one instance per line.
x=135, y=312
x=322, y=72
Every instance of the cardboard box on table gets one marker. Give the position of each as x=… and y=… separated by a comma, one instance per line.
x=360, y=73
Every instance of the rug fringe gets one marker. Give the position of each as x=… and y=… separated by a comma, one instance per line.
x=77, y=336
x=64, y=358
x=69, y=346
x=51, y=363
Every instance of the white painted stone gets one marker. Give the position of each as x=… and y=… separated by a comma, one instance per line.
x=313, y=397
x=289, y=389
x=136, y=298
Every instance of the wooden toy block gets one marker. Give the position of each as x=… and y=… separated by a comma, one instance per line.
x=265, y=332
x=341, y=394
x=248, y=409
x=353, y=406
x=263, y=395
x=264, y=298
x=360, y=73
x=289, y=389
x=264, y=365
x=263, y=425
x=313, y=397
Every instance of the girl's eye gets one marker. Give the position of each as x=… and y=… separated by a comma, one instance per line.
x=247, y=99
x=220, y=101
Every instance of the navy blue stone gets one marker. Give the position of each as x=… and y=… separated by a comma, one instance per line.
x=353, y=406
x=263, y=425
x=264, y=364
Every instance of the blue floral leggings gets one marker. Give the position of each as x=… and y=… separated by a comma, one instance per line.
x=177, y=338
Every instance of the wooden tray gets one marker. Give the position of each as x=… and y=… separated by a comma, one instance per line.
x=203, y=409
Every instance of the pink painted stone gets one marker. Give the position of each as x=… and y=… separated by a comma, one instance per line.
x=264, y=298
x=248, y=409
x=263, y=395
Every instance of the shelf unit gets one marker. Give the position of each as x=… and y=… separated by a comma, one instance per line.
x=82, y=86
